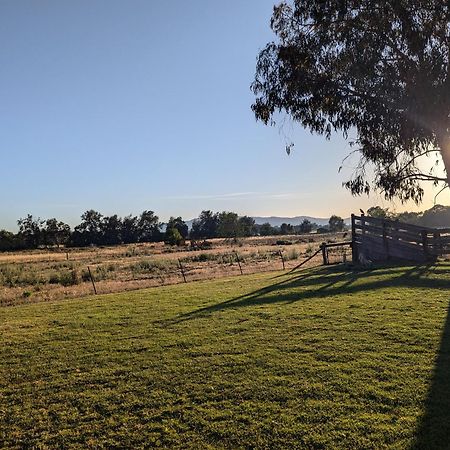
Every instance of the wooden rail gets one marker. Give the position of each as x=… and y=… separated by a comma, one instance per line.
x=384, y=239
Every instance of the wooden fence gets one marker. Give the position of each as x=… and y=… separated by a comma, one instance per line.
x=382, y=239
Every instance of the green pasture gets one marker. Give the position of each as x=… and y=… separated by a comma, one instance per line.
x=324, y=358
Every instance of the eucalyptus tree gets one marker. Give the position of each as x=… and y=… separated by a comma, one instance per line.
x=379, y=69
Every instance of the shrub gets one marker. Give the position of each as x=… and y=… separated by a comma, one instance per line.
x=202, y=257
x=54, y=278
x=173, y=237
x=10, y=274
x=283, y=242
x=66, y=278
x=85, y=275
x=292, y=254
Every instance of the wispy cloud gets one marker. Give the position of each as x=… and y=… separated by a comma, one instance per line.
x=241, y=196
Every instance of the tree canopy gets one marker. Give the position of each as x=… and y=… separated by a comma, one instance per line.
x=336, y=223
x=379, y=69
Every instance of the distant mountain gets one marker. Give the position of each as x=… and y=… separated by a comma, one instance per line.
x=276, y=221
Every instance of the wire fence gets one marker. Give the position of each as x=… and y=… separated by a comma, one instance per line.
x=26, y=282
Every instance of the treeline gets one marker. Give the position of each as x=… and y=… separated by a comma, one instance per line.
x=96, y=229
x=436, y=217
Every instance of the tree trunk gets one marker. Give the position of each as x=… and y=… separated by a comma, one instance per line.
x=444, y=145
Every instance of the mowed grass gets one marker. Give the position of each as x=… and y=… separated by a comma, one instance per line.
x=324, y=358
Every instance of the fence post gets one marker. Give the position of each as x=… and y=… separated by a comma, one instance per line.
x=437, y=243
x=354, y=247
x=324, y=254
x=425, y=243
x=92, y=280
x=282, y=259
x=182, y=271
x=239, y=262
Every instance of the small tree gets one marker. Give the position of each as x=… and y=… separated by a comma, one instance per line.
x=205, y=226
x=130, y=229
x=89, y=231
x=111, y=230
x=267, y=230
x=305, y=226
x=378, y=211
x=246, y=226
x=180, y=225
x=228, y=225
x=30, y=231
x=336, y=223
x=173, y=237
x=148, y=227
x=286, y=228
x=9, y=241
x=56, y=233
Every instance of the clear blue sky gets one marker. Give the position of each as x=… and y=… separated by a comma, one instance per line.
x=123, y=106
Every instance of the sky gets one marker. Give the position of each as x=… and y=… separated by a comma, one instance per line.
x=125, y=106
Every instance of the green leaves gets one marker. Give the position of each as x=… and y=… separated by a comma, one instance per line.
x=380, y=69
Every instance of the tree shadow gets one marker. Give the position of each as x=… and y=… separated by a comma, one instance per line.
x=323, y=282
x=434, y=429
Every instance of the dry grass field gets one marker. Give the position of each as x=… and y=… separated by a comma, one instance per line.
x=43, y=275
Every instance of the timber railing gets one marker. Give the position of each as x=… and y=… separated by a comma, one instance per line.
x=381, y=239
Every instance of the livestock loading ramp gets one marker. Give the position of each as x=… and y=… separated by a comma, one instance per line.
x=379, y=239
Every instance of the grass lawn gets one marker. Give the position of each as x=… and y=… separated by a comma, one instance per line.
x=320, y=359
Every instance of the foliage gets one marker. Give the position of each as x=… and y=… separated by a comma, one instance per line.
x=10, y=241
x=180, y=225
x=228, y=224
x=56, y=232
x=436, y=217
x=89, y=231
x=111, y=230
x=380, y=69
x=306, y=226
x=378, y=211
x=336, y=223
x=173, y=237
x=30, y=231
x=267, y=230
x=130, y=229
x=246, y=226
x=148, y=227
x=205, y=226
x=286, y=228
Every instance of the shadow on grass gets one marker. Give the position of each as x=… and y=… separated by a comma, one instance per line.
x=434, y=429
x=327, y=282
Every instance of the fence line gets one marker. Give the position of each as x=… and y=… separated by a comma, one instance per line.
x=109, y=276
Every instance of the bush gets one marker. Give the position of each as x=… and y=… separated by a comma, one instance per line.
x=283, y=242
x=54, y=278
x=292, y=254
x=67, y=278
x=203, y=257
x=173, y=237
x=85, y=275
